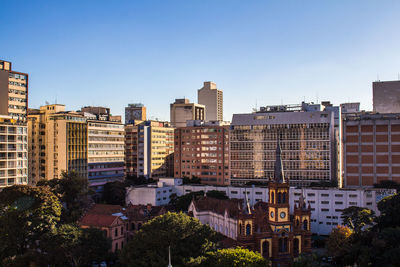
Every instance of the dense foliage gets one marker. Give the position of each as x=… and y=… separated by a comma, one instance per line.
x=26, y=214
x=186, y=236
x=73, y=192
x=370, y=241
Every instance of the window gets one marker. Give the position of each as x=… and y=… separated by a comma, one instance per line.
x=339, y=202
x=116, y=232
x=248, y=229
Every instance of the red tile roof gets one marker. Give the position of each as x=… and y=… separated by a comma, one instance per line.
x=104, y=209
x=98, y=220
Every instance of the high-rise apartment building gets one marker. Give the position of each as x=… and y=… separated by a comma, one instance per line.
x=13, y=129
x=371, y=148
x=57, y=142
x=13, y=152
x=212, y=99
x=202, y=151
x=307, y=143
x=386, y=96
x=105, y=146
x=135, y=112
x=149, y=147
x=182, y=111
x=13, y=92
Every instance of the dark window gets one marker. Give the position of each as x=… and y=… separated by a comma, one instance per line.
x=284, y=197
x=279, y=197
x=248, y=229
x=305, y=225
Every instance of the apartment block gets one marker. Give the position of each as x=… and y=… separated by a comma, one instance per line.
x=307, y=142
x=386, y=96
x=13, y=152
x=212, y=99
x=57, y=142
x=135, y=112
x=371, y=148
x=202, y=151
x=182, y=110
x=149, y=147
x=105, y=146
x=13, y=92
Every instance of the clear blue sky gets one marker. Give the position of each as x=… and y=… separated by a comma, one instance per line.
x=112, y=53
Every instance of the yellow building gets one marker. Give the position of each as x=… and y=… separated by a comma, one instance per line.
x=57, y=142
x=148, y=149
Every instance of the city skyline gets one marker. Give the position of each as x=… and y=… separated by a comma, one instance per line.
x=258, y=53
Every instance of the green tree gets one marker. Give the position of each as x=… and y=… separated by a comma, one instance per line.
x=186, y=236
x=235, y=257
x=114, y=193
x=26, y=213
x=70, y=245
x=357, y=218
x=307, y=261
x=339, y=241
x=73, y=191
x=390, y=211
x=216, y=194
x=182, y=203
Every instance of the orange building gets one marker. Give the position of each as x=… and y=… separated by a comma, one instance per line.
x=371, y=148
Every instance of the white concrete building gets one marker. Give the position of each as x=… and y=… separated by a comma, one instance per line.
x=326, y=203
x=155, y=194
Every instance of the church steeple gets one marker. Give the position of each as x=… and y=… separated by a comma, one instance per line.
x=279, y=175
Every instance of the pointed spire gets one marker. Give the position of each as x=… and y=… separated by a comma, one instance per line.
x=302, y=200
x=246, y=204
x=279, y=175
x=169, y=256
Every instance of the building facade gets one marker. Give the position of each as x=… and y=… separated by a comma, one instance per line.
x=149, y=147
x=13, y=92
x=13, y=152
x=135, y=112
x=385, y=98
x=371, y=148
x=57, y=142
x=307, y=140
x=268, y=228
x=181, y=111
x=105, y=146
x=13, y=127
x=202, y=151
x=212, y=99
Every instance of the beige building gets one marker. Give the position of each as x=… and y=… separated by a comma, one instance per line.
x=105, y=146
x=13, y=92
x=13, y=130
x=13, y=152
x=182, y=111
x=148, y=149
x=57, y=142
x=211, y=98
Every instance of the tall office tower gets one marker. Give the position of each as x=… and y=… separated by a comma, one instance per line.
x=149, y=147
x=182, y=111
x=211, y=98
x=105, y=147
x=202, y=151
x=57, y=142
x=13, y=129
x=13, y=152
x=307, y=143
x=371, y=148
x=135, y=112
x=386, y=96
x=13, y=92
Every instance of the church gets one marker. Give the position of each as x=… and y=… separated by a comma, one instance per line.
x=266, y=227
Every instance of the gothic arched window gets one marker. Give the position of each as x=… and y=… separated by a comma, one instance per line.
x=305, y=225
x=248, y=229
x=284, y=198
x=279, y=197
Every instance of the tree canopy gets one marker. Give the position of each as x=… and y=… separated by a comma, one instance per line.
x=357, y=218
x=73, y=191
x=186, y=236
x=69, y=245
x=235, y=257
x=26, y=213
x=182, y=203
